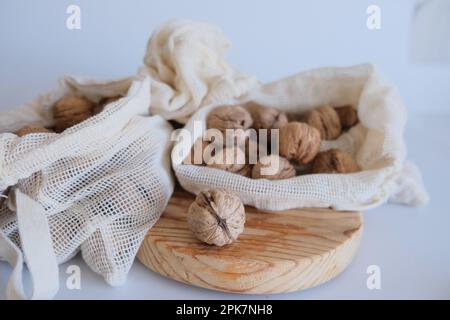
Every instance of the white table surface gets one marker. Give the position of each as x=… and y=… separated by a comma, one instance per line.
x=410, y=245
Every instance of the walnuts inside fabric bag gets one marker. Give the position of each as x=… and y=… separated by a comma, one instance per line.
x=97, y=186
x=376, y=143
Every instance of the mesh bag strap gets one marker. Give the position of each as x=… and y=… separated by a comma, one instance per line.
x=37, y=248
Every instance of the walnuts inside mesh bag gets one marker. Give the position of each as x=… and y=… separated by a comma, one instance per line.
x=266, y=118
x=347, y=116
x=229, y=159
x=325, y=119
x=334, y=161
x=71, y=110
x=31, y=129
x=229, y=117
x=299, y=142
x=273, y=167
x=216, y=217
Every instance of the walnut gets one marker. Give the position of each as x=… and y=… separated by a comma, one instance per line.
x=97, y=108
x=103, y=103
x=230, y=159
x=299, y=141
x=347, y=116
x=246, y=171
x=325, y=119
x=248, y=142
x=216, y=217
x=199, y=148
x=254, y=150
x=229, y=117
x=31, y=129
x=71, y=110
x=282, y=168
x=334, y=161
x=266, y=118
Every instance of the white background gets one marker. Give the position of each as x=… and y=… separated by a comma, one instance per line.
x=270, y=39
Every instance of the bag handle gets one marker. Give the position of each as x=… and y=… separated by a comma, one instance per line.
x=37, y=248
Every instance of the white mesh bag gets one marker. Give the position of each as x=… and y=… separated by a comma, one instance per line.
x=97, y=187
x=376, y=143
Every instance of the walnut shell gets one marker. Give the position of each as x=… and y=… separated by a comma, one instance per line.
x=283, y=169
x=265, y=117
x=325, y=119
x=347, y=116
x=334, y=161
x=216, y=217
x=246, y=171
x=31, y=129
x=229, y=117
x=230, y=159
x=254, y=150
x=299, y=141
x=199, y=148
x=71, y=110
x=103, y=103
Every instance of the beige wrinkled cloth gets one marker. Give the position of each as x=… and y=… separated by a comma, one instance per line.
x=186, y=61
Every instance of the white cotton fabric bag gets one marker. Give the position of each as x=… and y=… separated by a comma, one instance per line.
x=98, y=187
x=376, y=143
x=186, y=60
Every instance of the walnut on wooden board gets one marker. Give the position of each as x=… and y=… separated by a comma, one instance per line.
x=299, y=142
x=216, y=217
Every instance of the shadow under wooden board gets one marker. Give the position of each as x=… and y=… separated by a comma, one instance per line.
x=278, y=252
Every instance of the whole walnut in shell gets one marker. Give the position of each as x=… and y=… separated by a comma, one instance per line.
x=265, y=117
x=334, y=161
x=31, y=129
x=246, y=171
x=230, y=159
x=196, y=156
x=325, y=119
x=229, y=117
x=299, y=141
x=216, y=217
x=71, y=110
x=347, y=116
x=254, y=150
x=273, y=167
x=103, y=103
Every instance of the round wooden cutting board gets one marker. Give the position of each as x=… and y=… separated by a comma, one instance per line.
x=278, y=252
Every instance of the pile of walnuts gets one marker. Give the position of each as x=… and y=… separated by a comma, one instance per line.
x=68, y=111
x=300, y=137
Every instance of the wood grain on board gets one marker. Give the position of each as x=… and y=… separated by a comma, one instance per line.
x=278, y=251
